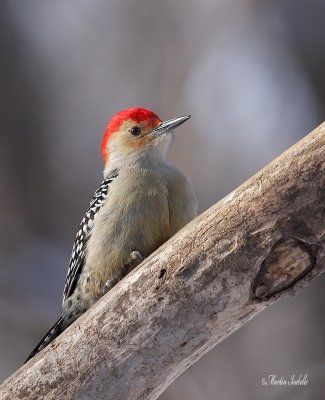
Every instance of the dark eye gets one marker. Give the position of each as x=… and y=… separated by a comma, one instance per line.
x=135, y=130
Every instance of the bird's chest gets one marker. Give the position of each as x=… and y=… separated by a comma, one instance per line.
x=139, y=209
x=134, y=217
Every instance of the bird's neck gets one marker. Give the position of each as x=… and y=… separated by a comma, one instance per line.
x=142, y=160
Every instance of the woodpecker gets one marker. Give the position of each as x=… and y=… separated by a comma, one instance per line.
x=142, y=202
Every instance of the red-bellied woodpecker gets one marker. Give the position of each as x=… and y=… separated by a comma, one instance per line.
x=142, y=201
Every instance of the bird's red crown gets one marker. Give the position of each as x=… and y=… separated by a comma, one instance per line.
x=137, y=115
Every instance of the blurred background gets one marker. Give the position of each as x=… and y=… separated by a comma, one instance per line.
x=251, y=73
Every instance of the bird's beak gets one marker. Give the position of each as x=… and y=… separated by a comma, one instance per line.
x=168, y=126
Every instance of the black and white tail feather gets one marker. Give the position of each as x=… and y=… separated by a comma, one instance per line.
x=53, y=333
x=77, y=257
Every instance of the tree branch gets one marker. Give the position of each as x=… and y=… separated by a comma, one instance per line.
x=263, y=241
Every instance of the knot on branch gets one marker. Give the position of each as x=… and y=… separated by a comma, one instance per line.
x=288, y=261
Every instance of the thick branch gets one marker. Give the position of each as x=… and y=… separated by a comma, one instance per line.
x=262, y=242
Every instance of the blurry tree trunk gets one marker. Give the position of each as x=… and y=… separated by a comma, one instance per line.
x=263, y=241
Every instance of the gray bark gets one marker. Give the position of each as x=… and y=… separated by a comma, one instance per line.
x=262, y=242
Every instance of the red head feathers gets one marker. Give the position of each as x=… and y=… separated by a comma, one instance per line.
x=137, y=115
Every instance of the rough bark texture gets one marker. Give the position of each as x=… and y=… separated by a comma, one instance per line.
x=263, y=241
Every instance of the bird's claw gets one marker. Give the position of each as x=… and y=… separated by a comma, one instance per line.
x=134, y=260
x=135, y=256
x=109, y=284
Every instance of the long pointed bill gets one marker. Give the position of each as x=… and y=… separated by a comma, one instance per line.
x=171, y=124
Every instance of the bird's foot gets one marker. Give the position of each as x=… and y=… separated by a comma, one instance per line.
x=109, y=284
x=136, y=258
x=133, y=261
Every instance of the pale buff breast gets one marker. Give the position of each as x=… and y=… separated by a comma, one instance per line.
x=134, y=217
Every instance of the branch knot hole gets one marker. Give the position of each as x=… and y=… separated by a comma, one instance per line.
x=162, y=273
x=288, y=261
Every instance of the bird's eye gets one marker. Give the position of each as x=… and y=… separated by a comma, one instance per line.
x=135, y=130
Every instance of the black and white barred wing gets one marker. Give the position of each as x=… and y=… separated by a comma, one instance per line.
x=79, y=247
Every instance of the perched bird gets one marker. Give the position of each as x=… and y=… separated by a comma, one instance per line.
x=142, y=202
